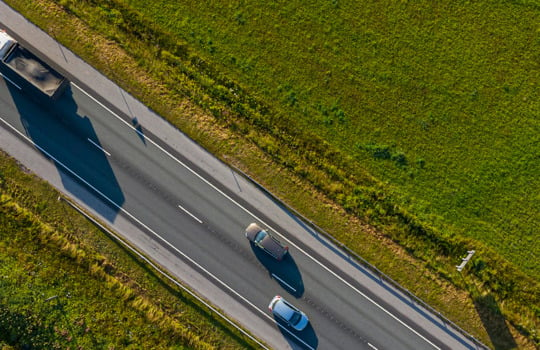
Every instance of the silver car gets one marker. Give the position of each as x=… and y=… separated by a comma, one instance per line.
x=289, y=314
x=264, y=240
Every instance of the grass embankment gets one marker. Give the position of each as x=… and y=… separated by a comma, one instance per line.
x=65, y=284
x=178, y=72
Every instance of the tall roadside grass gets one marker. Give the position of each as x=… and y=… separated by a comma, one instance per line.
x=187, y=81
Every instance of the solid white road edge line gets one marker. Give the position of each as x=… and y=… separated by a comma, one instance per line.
x=371, y=346
x=254, y=216
x=187, y=212
x=98, y=146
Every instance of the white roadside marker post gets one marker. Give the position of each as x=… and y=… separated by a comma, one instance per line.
x=465, y=260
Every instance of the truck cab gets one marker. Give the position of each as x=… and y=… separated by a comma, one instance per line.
x=6, y=43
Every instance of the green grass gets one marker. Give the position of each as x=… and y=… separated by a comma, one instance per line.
x=383, y=153
x=65, y=284
x=451, y=87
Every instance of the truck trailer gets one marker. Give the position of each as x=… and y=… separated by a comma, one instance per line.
x=27, y=71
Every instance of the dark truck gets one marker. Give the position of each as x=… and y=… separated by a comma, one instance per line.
x=26, y=71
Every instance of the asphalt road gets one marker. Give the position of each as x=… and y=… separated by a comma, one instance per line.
x=186, y=209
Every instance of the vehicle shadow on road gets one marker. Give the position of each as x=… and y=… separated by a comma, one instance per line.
x=71, y=142
x=284, y=272
x=494, y=322
x=138, y=129
x=305, y=339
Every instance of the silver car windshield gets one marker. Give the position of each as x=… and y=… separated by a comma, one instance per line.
x=260, y=236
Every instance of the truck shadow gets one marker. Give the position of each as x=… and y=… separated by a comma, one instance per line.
x=494, y=322
x=71, y=142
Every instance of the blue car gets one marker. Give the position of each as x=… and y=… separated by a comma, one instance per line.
x=287, y=313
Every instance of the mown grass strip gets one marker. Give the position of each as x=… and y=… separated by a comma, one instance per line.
x=171, y=80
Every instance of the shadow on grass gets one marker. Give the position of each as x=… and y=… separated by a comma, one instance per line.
x=494, y=322
x=55, y=308
x=41, y=328
x=23, y=330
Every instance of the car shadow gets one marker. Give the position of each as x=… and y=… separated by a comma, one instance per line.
x=304, y=339
x=71, y=142
x=284, y=272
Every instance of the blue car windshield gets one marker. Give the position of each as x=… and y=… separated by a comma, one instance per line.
x=260, y=236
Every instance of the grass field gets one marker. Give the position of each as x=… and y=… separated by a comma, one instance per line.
x=64, y=284
x=387, y=111
x=433, y=105
x=438, y=100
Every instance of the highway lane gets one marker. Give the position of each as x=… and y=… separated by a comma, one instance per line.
x=168, y=199
x=202, y=222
